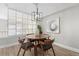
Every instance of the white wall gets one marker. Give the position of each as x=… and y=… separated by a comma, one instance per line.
x=69, y=27
x=11, y=40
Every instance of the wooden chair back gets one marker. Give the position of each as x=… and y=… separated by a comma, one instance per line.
x=21, y=41
x=49, y=41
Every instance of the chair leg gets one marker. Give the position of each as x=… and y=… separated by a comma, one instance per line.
x=47, y=52
x=24, y=52
x=43, y=52
x=19, y=51
x=30, y=49
x=53, y=51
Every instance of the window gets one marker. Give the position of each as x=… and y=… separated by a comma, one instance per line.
x=3, y=21
x=11, y=22
x=3, y=28
x=18, y=23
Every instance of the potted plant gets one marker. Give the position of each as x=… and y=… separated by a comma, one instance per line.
x=40, y=29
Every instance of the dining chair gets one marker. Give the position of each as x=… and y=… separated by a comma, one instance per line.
x=46, y=45
x=24, y=45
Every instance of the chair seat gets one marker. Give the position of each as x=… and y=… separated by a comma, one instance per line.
x=46, y=47
x=27, y=45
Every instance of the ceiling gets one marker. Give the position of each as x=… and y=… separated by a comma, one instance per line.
x=46, y=8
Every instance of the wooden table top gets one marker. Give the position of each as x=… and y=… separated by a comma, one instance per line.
x=33, y=36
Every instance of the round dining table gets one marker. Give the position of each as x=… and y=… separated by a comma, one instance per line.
x=36, y=38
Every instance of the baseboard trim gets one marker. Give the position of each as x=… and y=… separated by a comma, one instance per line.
x=8, y=45
x=67, y=47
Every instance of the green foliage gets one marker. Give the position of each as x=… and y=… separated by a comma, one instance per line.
x=40, y=29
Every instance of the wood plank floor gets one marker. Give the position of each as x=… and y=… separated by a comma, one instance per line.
x=12, y=51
